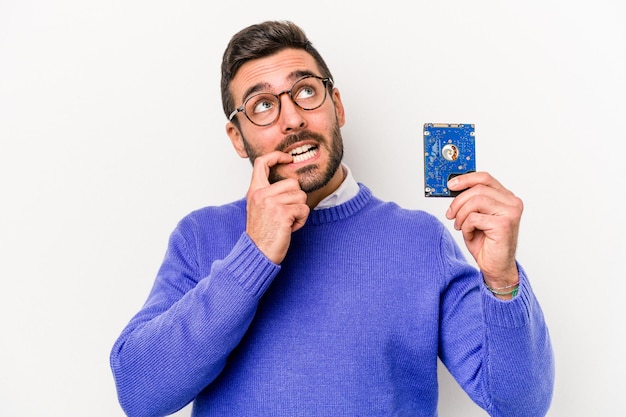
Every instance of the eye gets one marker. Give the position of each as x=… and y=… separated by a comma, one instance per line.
x=261, y=103
x=305, y=92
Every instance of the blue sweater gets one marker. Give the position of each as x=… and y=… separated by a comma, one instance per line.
x=350, y=324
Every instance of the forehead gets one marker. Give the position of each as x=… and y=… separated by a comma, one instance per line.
x=274, y=72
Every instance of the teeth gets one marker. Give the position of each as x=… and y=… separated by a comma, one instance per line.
x=301, y=149
x=302, y=153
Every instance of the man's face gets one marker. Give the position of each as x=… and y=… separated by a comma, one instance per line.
x=312, y=137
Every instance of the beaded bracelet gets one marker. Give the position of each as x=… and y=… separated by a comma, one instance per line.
x=496, y=291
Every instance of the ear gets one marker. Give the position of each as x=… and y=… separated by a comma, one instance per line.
x=339, y=110
x=236, y=139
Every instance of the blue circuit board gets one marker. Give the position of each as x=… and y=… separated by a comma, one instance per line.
x=449, y=150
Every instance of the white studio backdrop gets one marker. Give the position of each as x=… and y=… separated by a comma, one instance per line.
x=111, y=130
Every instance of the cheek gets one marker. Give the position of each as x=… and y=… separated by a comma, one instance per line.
x=256, y=145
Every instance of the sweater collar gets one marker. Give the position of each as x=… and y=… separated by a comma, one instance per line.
x=343, y=210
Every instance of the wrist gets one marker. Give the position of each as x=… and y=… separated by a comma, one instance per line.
x=505, y=292
x=503, y=278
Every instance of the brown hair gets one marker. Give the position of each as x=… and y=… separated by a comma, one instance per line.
x=259, y=41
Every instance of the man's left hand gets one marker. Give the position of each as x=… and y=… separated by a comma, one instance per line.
x=488, y=215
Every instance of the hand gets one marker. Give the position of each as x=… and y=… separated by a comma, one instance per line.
x=488, y=216
x=274, y=211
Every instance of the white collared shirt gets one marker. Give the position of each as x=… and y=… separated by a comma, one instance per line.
x=347, y=190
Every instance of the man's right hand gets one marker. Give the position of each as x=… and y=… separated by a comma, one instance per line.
x=274, y=211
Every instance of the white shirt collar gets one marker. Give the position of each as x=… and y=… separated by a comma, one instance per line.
x=346, y=191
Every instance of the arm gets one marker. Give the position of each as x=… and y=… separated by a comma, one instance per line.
x=178, y=343
x=498, y=350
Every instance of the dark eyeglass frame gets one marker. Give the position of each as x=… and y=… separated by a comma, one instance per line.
x=242, y=109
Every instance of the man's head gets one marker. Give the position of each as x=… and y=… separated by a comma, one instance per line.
x=259, y=41
x=273, y=69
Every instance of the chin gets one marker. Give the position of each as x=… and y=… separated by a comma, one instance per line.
x=312, y=179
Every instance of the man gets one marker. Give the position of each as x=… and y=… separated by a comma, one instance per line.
x=311, y=297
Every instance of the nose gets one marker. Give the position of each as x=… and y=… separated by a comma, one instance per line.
x=291, y=115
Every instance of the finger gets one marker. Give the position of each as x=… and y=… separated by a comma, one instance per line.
x=273, y=198
x=476, y=194
x=471, y=179
x=262, y=165
x=477, y=222
x=496, y=238
x=301, y=213
x=509, y=210
x=491, y=189
x=477, y=204
x=283, y=192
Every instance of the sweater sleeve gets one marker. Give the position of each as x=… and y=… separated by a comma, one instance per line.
x=179, y=342
x=499, y=351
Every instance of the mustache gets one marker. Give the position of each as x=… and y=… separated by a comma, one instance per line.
x=298, y=137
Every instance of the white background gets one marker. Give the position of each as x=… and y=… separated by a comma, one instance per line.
x=111, y=130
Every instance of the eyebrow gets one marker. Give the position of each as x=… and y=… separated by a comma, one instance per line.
x=265, y=87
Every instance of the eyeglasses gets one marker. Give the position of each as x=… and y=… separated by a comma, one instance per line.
x=263, y=109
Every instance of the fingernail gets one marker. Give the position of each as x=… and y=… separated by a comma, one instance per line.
x=453, y=183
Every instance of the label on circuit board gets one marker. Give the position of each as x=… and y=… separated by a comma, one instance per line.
x=449, y=150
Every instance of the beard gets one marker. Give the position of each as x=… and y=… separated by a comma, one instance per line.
x=310, y=177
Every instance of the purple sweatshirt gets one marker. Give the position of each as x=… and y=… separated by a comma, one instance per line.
x=350, y=324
